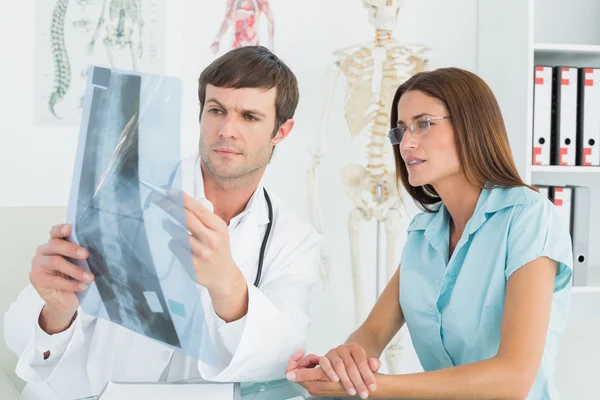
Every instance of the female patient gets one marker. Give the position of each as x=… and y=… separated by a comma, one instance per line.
x=485, y=274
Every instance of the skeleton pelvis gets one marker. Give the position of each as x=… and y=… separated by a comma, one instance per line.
x=362, y=188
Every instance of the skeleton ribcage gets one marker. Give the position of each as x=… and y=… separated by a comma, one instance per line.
x=130, y=7
x=365, y=111
x=358, y=67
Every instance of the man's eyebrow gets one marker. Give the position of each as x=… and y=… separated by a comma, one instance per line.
x=255, y=112
x=213, y=100
x=415, y=117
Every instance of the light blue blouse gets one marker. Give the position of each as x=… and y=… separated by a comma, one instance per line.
x=453, y=308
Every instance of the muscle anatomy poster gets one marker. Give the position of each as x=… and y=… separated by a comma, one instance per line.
x=242, y=26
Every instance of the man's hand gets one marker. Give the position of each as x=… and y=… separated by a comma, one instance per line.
x=299, y=361
x=49, y=275
x=305, y=371
x=207, y=239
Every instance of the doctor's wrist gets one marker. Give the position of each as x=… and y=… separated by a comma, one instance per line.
x=230, y=295
x=53, y=322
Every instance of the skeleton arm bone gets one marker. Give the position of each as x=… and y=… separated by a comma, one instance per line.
x=90, y=46
x=317, y=151
x=266, y=8
x=140, y=19
x=226, y=22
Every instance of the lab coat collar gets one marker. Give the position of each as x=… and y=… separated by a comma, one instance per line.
x=256, y=208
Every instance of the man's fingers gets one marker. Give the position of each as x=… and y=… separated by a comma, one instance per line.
x=298, y=355
x=172, y=205
x=60, y=283
x=58, y=263
x=314, y=359
x=306, y=374
x=64, y=248
x=199, y=216
x=328, y=369
x=60, y=231
x=293, y=362
x=309, y=361
x=208, y=218
x=183, y=253
x=198, y=229
x=175, y=230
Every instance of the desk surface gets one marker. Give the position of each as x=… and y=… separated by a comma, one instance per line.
x=274, y=390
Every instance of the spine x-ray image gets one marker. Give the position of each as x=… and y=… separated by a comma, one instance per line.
x=129, y=142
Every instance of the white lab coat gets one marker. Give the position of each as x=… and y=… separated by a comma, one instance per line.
x=257, y=347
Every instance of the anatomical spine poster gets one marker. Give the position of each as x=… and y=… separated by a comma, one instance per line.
x=71, y=35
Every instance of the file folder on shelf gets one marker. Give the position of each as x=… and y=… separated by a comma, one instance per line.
x=565, y=116
x=544, y=190
x=580, y=234
x=588, y=148
x=542, y=115
x=573, y=203
x=563, y=198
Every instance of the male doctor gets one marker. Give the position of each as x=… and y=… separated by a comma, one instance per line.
x=248, y=98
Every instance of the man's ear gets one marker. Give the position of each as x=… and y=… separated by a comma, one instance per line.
x=283, y=131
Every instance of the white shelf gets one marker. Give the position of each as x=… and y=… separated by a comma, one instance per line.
x=585, y=289
x=574, y=49
x=565, y=169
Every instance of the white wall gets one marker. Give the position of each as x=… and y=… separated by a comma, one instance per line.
x=572, y=22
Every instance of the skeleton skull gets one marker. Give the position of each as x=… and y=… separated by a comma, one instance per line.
x=383, y=14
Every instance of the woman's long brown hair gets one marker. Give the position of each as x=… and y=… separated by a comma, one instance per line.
x=480, y=133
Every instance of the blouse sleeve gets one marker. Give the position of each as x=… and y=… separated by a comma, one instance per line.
x=536, y=230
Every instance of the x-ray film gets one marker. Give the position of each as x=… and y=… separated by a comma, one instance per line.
x=129, y=146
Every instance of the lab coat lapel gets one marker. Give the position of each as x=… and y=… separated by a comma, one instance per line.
x=245, y=240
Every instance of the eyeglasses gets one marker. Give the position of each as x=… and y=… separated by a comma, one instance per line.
x=423, y=124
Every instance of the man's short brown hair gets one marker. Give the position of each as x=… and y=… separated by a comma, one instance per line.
x=253, y=67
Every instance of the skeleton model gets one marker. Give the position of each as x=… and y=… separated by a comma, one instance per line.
x=62, y=67
x=368, y=110
x=124, y=17
x=245, y=16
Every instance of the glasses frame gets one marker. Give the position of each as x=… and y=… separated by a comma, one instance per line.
x=394, y=137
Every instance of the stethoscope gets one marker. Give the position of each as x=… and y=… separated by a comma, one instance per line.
x=265, y=239
x=263, y=246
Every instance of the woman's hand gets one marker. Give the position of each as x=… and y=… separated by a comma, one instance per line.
x=347, y=364
x=350, y=365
